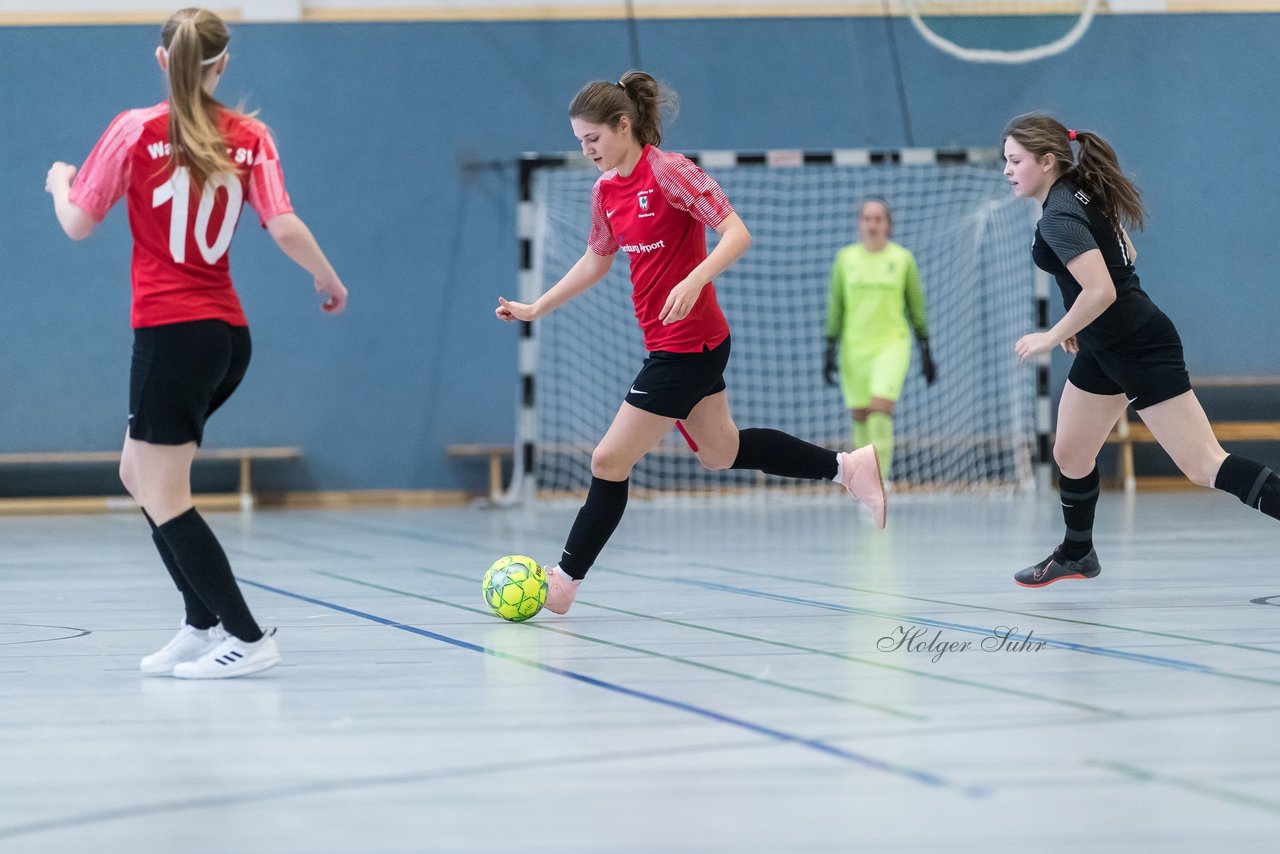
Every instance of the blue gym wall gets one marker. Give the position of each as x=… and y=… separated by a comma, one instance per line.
x=375, y=120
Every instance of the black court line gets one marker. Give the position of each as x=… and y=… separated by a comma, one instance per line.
x=923, y=777
x=1167, y=662
x=998, y=610
x=417, y=536
x=304, y=544
x=78, y=633
x=1057, y=723
x=1160, y=661
x=674, y=659
x=1199, y=786
x=970, y=683
x=223, y=800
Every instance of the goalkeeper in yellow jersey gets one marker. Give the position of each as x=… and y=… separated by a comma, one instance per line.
x=875, y=290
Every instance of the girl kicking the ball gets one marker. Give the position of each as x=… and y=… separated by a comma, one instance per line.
x=656, y=206
x=187, y=165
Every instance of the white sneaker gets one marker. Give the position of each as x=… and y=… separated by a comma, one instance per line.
x=561, y=588
x=232, y=657
x=861, y=476
x=187, y=645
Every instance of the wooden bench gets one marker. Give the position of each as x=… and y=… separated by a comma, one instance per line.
x=1126, y=434
x=244, y=498
x=494, y=453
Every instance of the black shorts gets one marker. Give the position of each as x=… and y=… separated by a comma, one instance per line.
x=1145, y=366
x=181, y=374
x=672, y=384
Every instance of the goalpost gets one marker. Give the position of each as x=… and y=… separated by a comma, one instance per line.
x=983, y=426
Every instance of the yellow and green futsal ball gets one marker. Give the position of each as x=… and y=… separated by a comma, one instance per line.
x=515, y=587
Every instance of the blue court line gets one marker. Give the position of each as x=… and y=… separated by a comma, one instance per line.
x=1174, y=663
x=813, y=744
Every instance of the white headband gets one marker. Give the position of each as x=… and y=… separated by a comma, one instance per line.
x=210, y=61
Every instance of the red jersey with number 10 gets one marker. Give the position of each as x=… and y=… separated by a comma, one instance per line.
x=659, y=215
x=181, y=270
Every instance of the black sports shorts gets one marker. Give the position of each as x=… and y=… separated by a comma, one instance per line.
x=1145, y=366
x=182, y=372
x=672, y=384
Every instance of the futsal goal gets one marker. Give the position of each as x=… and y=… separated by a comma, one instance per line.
x=979, y=427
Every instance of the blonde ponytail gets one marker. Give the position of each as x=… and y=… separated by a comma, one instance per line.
x=192, y=37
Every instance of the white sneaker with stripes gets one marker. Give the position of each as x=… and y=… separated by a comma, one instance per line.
x=233, y=657
x=187, y=645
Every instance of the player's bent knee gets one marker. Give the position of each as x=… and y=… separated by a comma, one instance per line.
x=715, y=460
x=607, y=466
x=163, y=508
x=1071, y=462
x=1201, y=474
x=128, y=478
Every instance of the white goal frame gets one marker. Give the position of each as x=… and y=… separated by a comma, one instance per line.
x=1033, y=472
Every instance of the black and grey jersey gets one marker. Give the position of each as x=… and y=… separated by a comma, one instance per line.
x=1070, y=225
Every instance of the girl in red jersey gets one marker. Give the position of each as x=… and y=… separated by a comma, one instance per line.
x=656, y=207
x=187, y=166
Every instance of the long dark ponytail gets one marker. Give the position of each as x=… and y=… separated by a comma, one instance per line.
x=1096, y=169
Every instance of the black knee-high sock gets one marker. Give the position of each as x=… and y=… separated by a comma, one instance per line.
x=198, y=615
x=775, y=452
x=599, y=516
x=1079, y=500
x=204, y=564
x=1251, y=482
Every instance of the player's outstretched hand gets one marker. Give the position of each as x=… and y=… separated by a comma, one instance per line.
x=509, y=311
x=59, y=174
x=335, y=292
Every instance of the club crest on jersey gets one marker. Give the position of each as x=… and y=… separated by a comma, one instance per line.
x=644, y=203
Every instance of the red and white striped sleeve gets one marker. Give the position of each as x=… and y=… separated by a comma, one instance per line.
x=688, y=188
x=267, y=195
x=104, y=177
x=601, y=241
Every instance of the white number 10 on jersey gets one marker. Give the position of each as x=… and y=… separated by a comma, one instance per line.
x=178, y=190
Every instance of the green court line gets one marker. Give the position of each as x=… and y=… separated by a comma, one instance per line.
x=838, y=655
x=1172, y=636
x=836, y=698
x=1229, y=795
x=1006, y=726
x=1203, y=669
x=222, y=801
x=1149, y=632
x=1030, y=695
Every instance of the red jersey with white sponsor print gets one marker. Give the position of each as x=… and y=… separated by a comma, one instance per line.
x=658, y=215
x=181, y=271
